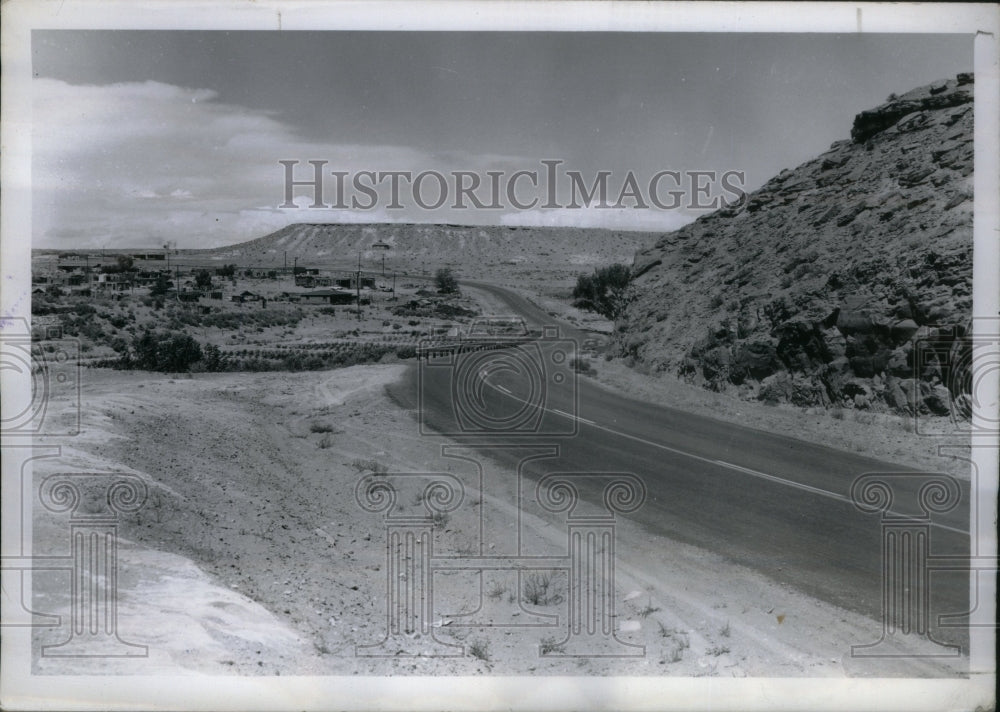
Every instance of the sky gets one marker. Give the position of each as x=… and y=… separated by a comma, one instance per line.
x=143, y=138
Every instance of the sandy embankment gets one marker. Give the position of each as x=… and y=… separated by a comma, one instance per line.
x=253, y=557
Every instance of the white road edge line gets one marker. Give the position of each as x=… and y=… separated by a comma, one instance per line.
x=721, y=463
x=762, y=475
x=571, y=416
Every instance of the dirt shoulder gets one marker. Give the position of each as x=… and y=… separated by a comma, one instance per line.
x=253, y=556
x=897, y=439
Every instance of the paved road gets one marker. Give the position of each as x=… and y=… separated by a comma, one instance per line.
x=776, y=504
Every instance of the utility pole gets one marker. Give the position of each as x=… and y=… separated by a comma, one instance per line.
x=357, y=284
x=383, y=264
x=177, y=282
x=393, y=286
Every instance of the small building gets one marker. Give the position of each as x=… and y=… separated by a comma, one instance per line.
x=246, y=296
x=352, y=282
x=325, y=296
x=189, y=296
x=215, y=295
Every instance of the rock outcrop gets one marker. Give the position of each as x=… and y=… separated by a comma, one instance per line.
x=846, y=281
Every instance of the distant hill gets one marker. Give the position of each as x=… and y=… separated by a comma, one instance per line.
x=478, y=251
x=816, y=289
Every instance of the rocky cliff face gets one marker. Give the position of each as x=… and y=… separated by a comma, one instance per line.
x=825, y=285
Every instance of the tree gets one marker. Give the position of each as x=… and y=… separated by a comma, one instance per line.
x=203, y=279
x=161, y=285
x=607, y=291
x=213, y=357
x=123, y=263
x=226, y=270
x=445, y=281
x=169, y=351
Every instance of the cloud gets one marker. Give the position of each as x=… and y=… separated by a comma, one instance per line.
x=143, y=163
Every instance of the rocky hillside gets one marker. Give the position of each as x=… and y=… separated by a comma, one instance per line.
x=487, y=251
x=816, y=289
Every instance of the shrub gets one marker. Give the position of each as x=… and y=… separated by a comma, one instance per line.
x=536, y=590
x=161, y=286
x=203, y=279
x=370, y=466
x=606, y=291
x=480, y=649
x=167, y=351
x=581, y=365
x=445, y=281
x=549, y=645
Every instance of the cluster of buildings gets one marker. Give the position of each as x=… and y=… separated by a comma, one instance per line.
x=122, y=275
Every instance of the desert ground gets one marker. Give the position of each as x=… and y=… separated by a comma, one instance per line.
x=252, y=556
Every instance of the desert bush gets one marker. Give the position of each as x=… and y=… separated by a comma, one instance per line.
x=536, y=590
x=166, y=351
x=317, y=427
x=406, y=352
x=480, y=649
x=374, y=466
x=445, y=281
x=549, y=645
x=582, y=365
x=606, y=291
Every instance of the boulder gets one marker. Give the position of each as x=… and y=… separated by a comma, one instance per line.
x=903, y=330
x=899, y=362
x=851, y=321
x=756, y=359
x=938, y=401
